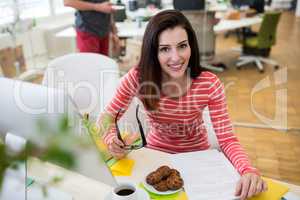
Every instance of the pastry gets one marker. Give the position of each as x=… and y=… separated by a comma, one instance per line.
x=164, y=171
x=164, y=178
x=161, y=186
x=153, y=178
x=174, y=182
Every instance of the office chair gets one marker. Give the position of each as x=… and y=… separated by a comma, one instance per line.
x=92, y=80
x=257, y=48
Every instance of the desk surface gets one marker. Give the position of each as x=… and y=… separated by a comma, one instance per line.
x=226, y=24
x=83, y=188
x=134, y=29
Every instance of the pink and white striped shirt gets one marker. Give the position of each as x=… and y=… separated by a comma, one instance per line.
x=177, y=125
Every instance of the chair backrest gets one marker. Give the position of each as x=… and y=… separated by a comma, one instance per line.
x=212, y=138
x=203, y=25
x=267, y=32
x=91, y=79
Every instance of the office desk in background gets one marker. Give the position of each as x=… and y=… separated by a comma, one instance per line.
x=125, y=30
x=226, y=24
x=134, y=29
x=83, y=188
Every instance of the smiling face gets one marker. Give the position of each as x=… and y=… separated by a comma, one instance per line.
x=174, y=52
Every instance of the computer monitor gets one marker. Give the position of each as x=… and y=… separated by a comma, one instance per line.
x=258, y=5
x=156, y=3
x=183, y=5
x=241, y=3
x=145, y=3
x=23, y=104
x=120, y=14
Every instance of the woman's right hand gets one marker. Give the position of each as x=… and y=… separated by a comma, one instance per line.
x=105, y=7
x=115, y=148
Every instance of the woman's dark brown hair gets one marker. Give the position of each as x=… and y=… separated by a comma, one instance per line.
x=149, y=67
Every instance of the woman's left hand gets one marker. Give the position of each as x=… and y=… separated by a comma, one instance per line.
x=249, y=185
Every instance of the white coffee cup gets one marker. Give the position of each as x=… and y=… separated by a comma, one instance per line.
x=125, y=191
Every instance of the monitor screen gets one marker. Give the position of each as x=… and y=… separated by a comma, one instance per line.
x=240, y=3
x=156, y=3
x=189, y=4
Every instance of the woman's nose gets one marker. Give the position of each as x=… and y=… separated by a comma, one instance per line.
x=175, y=55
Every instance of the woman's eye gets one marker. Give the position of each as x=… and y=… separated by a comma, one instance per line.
x=183, y=46
x=164, y=49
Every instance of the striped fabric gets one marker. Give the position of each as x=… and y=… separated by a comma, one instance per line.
x=177, y=125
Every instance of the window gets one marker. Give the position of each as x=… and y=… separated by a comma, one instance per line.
x=24, y=9
x=6, y=11
x=33, y=8
x=59, y=7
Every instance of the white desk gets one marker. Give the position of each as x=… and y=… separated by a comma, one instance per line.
x=82, y=188
x=78, y=186
x=226, y=25
x=125, y=30
x=132, y=29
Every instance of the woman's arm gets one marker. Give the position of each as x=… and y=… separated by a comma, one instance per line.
x=120, y=102
x=250, y=183
x=221, y=122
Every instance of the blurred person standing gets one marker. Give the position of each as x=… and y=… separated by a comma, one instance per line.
x=93, y=23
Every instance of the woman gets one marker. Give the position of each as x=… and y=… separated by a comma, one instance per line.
x=174, y=90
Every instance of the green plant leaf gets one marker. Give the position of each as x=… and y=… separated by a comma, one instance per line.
x=59, y=156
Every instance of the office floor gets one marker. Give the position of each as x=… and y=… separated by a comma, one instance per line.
x=275, y=153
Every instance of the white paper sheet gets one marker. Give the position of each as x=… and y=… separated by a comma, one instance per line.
x=291, y=196
x=207, y=175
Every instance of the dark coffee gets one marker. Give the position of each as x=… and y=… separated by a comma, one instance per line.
x=125, y=192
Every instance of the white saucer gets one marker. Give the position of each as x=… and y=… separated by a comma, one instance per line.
x=150, y=188
x=142, y=195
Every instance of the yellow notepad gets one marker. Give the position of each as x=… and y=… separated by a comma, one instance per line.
x=182, y=196
x=275, y=191
x=122, y=167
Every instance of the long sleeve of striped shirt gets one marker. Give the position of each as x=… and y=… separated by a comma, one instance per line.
x=222, y=125
x=126, y=91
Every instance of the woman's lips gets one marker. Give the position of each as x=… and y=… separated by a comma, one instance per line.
x=176, y=67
